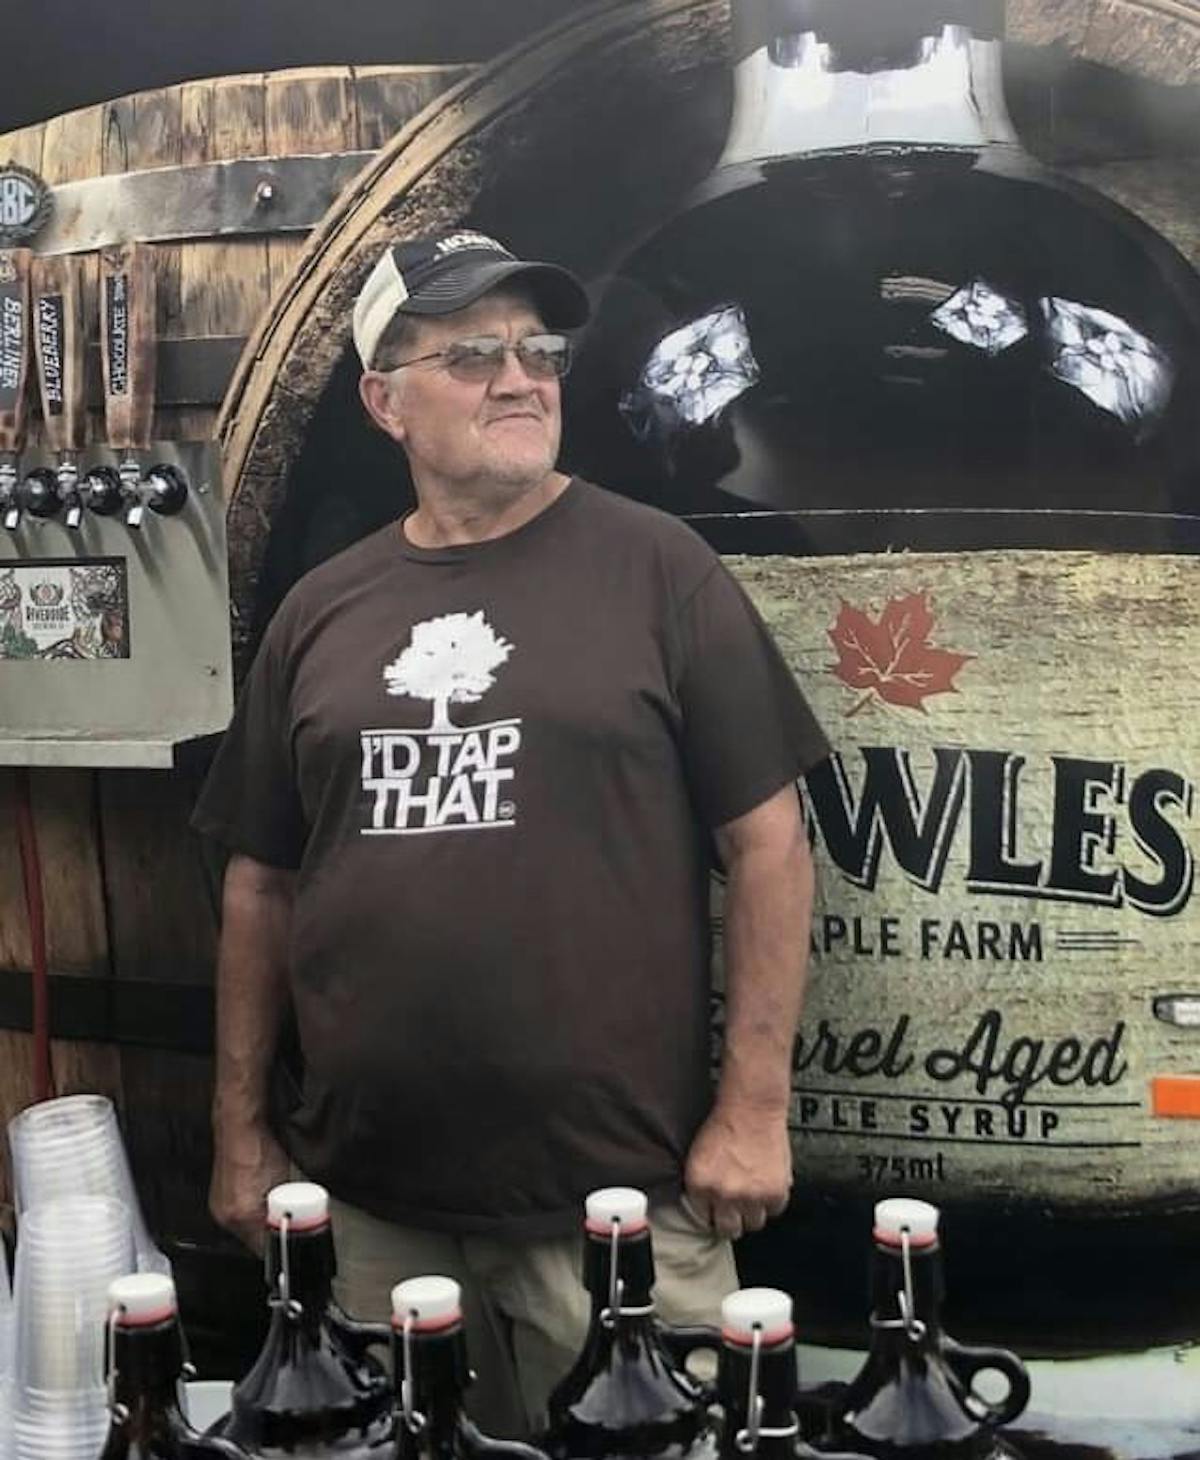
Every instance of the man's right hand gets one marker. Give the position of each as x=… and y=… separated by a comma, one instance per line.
x=247, y=1162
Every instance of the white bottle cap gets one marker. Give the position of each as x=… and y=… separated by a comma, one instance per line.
x=623, y=1204
x=431, y=1302
x=303, y=1203
x=142, y=1298
x=900, y=1213
x=767, y=1310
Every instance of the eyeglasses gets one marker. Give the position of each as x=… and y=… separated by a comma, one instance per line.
x=542, y=357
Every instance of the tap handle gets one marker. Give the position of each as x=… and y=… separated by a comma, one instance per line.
x=14, y=350
x=127, y=343
x=59, y=343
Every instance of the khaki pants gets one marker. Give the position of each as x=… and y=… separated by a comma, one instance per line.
x=524, y=1304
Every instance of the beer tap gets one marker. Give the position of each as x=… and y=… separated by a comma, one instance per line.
x=14, y=374
x=127, y=348
x=58, y=337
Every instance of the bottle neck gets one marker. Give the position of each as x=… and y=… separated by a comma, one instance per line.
x=628, y=1305
x=776, y=1384
x=888, y=1285
x=147, y=1364
x=300, y=1268
x=834, y=75
x=430, y=1412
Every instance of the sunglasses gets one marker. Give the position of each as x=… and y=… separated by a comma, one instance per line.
x=542, y=357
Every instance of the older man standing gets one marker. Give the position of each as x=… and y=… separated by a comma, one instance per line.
x=472, y=787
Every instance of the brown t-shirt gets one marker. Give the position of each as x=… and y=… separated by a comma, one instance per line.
x=494, y=767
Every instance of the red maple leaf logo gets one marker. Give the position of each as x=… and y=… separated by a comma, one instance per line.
x=892, y=659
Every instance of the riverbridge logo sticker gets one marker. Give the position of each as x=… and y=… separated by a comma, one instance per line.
x=441, y=777
x=890, y=660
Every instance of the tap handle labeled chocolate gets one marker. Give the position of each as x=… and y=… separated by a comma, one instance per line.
x=59, y=344
x=127, y=344
x=14, y=347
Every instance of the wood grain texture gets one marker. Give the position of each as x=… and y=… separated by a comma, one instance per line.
x=74, y=147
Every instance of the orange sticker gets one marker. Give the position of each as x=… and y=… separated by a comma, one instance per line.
x=1176, y=1095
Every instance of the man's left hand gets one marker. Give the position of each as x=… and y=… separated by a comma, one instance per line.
x=739, y=1169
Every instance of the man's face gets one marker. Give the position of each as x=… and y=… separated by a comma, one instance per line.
x=504, y=431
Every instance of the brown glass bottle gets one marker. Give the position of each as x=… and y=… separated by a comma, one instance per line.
x=628, y=1393
x=913, y=1398
x=314, y=1388
x=146, y=1367
x=758, y=1383
x=429, y=1361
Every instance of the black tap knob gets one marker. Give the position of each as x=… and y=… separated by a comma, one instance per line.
x=10, y=496
x=39, y=493
x=167, y=489
x=102, y=492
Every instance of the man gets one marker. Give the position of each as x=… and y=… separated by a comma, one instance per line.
x=471, y=788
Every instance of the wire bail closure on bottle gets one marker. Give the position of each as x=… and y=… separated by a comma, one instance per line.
x=413, y=1418
x=616, y=1285
x=119, y=1412
x=914, y=1327
x=293, y=1307
x=747, y=1439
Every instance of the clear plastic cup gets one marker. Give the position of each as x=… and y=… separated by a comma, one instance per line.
x=73, y=1429
x=68, y=1252
x=72, y=1146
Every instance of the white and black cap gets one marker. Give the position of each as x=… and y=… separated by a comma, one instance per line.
x=447, y=271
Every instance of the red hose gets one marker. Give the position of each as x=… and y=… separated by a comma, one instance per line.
x=31, y=874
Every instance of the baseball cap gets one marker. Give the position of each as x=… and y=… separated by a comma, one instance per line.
x=446, y=272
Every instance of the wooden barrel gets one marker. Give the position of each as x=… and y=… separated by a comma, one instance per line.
x=306, y=474
x=131, y=908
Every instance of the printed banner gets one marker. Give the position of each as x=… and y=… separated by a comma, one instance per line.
x=1005, y=839
x=70, y=609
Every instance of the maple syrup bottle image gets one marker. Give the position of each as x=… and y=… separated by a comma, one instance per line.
x=913, y=1397
x=314, y=1389
x=147, y=1365
x=878, y=300
x=937, y=406
x=430, y=1364
x=757, y=1383
x=628, y=1393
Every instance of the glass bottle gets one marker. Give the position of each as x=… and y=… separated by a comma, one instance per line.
x=146, y=1363
x=913, y=1396
x=758, y=1383
x=429, y=1360
x=878, y=301
x=628, y=1393
x=314, y=1388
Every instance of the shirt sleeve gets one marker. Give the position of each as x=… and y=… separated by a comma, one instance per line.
x=251, y=801
x=747, y=729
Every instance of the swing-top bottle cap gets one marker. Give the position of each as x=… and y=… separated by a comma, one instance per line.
x=766, y=1311
x=616, y=1204
x=431, y=1303
x=142, y=1298
x=303, y=1203
x=900, y=1214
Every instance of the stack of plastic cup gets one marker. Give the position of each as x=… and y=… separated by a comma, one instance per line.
x=73, y=1147
x=68, y=1252
x=7, y=1342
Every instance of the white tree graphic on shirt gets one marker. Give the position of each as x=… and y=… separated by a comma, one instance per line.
x=449, y=660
